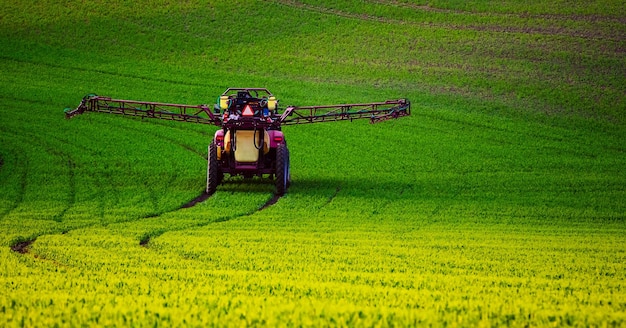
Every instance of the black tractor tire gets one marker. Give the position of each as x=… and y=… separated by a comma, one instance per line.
x=288, y=167
x=213, y=172
x=282, y=169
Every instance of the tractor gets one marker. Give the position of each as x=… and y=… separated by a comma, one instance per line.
x=249, y=142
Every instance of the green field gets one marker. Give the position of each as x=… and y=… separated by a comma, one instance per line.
x=500, y=201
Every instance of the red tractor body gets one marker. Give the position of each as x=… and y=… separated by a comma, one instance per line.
x=250, y=142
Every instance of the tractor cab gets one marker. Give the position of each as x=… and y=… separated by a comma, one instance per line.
x=250, y=142
x=239, y=103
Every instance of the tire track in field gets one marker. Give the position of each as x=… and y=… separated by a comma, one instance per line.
x=615, y=35
x=71, y=165
x=72, y=175
x=143, y=241
x=566, y=17
x=173, y=176
x=201, y=198
x=22, y=246
x=157, y=136
x=47, y=146
x=151, y=236
x=38, y=142
x=269, y=203
x=23, y=165
x=331, y=198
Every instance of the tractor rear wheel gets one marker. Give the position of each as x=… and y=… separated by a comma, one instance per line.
x=288, y=167
x=282, y=169
x=213, y=174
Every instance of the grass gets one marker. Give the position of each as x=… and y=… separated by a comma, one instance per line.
x=498, y=202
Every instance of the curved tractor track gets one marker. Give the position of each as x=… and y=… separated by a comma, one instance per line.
x=22, y=245
x=204, y=196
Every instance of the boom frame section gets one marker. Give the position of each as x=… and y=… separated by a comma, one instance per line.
x=376, y=112
x=173, y=112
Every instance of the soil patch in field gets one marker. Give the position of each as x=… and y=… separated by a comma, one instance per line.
x=144, y=242
x=22, y=247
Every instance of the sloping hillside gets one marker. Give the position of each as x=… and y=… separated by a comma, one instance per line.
x=498, y=201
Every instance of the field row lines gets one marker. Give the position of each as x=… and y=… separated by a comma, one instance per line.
x=561, y=17
x=615, y=35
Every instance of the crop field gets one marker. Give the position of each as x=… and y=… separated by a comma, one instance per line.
x=501, y=201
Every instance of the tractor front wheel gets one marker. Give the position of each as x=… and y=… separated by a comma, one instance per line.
x=282, y=169
x=213, y=174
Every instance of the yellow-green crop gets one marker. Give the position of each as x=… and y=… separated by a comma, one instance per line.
x=498, y=202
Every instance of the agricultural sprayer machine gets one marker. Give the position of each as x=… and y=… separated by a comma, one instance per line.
x=250, y=142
